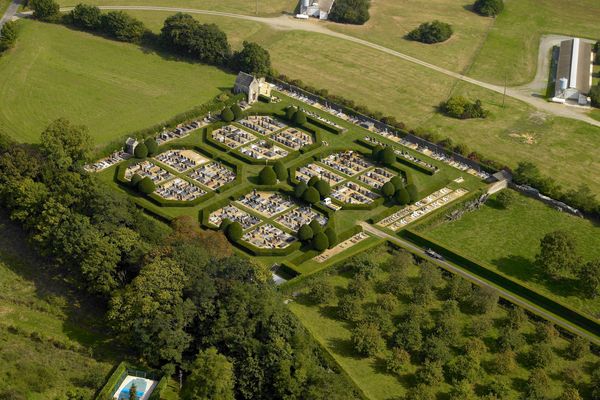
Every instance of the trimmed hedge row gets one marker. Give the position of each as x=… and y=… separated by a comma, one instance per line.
x=324, y=125
x=478, y=268
x=260, y=252
x=402, y=160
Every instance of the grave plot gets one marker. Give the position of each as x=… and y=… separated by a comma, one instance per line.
x=297, y=217
x=421, y=208
x=347, y=162
x=233, y=213
x=263, y=149
x=181, y=160
x=213, y=175
x=352, y=193
x=148, y=169
x=293, y=138
x=376, y=177
x=267, y=204
x=306, y=172
x=268, y=236
x=262, y=124
x=179, y=189
x=232, y=136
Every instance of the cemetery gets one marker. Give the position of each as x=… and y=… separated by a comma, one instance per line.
x=232, y=136
x=268, y=236
x=299, y=216
x=348, y=162
x=353, y=193
x=213, y=175
x=233, y=214
x=181, y=160
x=376, y=177
x=293, y=138
x=306, y=172
x=179, y=189
x=264, y=150
x=149, y=170
x=262, y=124
x=267, y=204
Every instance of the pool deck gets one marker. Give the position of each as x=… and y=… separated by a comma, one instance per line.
x=150, y=385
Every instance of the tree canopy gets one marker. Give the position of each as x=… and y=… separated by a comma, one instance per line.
x=252, y=59
x=354, y=12
x=488, y=8
x=431, y=32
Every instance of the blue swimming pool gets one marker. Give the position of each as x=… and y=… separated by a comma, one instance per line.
x=140, y=389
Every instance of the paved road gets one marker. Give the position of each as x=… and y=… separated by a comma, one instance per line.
x=287, y=22
x=474, y=278
x=11, y=11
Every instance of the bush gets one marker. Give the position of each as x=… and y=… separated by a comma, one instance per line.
x=321, y=291
x=237, y=112
x=397, y=182
x=506, y=198
x=123, y=26
x=44, y=10
x=280, y=170
x=224, y=224
x=431, y=32
x=267, y=176
x=402, y=196
x=305, y=233
x=488, y=8
x=320, y=242
x=299, y=189
x=135, y=180
x=8, y=35
x=151, y=145
x=313, y=180
x=595, y=92
x=388, y=189
x=323, y=188
x=234, y=231
x=141, y=151
x=387, y=156
x=350, y=11
x=86, y=17
x=460, y=107
x=331, y=236
x=289, y=112
x=227, y=115
x=315, y=226
x=299, y=118
x=311, y=195
x=413, y=193
x=146, y=186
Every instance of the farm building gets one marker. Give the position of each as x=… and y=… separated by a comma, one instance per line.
x=252, y=86
x=317, y=8
x=573, y=71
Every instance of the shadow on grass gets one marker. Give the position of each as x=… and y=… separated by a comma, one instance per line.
x=344, y=348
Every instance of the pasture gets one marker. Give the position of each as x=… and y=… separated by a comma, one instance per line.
x=113, y=88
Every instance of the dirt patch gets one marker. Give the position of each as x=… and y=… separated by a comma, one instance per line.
x=524, y=137
x=538, y=117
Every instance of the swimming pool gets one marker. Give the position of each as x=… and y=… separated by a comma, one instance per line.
x=140, y=385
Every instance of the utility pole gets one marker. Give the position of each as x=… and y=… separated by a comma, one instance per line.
x=504, y=95
x=257, y=8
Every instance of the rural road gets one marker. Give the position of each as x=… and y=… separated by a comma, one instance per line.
x=474, y=278
x=286, y=22
x=10, y=12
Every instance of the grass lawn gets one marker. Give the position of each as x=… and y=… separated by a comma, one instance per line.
x=50, y=339
x=511, y=49
x=369, y=373
x=113, y=88
x=508, y=240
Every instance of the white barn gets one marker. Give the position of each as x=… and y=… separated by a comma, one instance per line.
x=316, y=8
x=574, y=71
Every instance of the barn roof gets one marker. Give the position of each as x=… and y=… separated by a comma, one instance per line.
x=244, y=79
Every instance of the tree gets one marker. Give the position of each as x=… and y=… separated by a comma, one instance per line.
x=506, y=198
x=151, y=145
x=141, y=151
x=123, y=26
x=211, y=377
x=413, y=192
x=252, y=59
x=350, y=11
x=499, y=388
x=305, y=233
x=388, y=189
x=323, y=187
x=595, y=384
x=595, y=90
x=396, y=283
x=430, y=373
x=313, y=180
x=578, y=348
x=459, y=288
x=359, y=286
x=589, y=278
x=86, y=17
x=387, y=156
x=517, y=317
x=65, y=146
x=367, y=339
x=146, y=186
x=398, y=361
x=350, y=308
x=311, y=195
x=227, y=115
x=558, y=255
x=300, y=118
x=545, y=332
x=570, y=393
x=133, y=392
x=237, y=111
x=488, y=8
x=321, y=291
x=320, y=241
x=234, y=231
x=505, y=362
x=135, y=180
x=280, y=170
x=409, y=335
x=375, y=152
x=402, y=197
x=267, y=176
x=289, y=112
x=44, y=10
x=420, y=392
x=540, y=355
x=299, y=189
x=315, y=225
x=460, y=107
x=480, y=326
x=510, y=339
x=537, y=385
x=8, y=35
x=431, y=32
x=397, y=181
x=462, y=391
x=331, y=236
x=462, y=368
x=483, y=300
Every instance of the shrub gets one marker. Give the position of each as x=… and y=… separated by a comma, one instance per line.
x=146, y=186
x=315, y=226
x=234, y=231
x=398, y=361
x=300, y=118
x=323, y=188
x=289, y=112
x=44, y=10
x=305, y=233
x=141, y=151
x=388, y=189
x=227, y=115
x=460, y=107
x=387, y=156
x=320, y=241
x=313, y=180
x=397, y=182
x=413, y=193
x=280, y=170
x=267, y=176
x=86, y=17
x=431, y=32
x=151, y=145
x=299, y=189
x=123, y=26
x=135, y=180
x=402, y=196
x=375, y=152
x=321, y=291
x=350, y=11
x=237, y=112
x=367, y=339
x=506, y=198
x=224, y=224
x=488, y=8
x=311, y=195
x=331, y=236
x=8, y=35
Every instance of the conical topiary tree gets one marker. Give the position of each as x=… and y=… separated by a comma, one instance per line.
x=299, y=189
x=323, y=188
x=280, y=170
x=227, y=115
x=331, y=236
x=412, y=192
x=311, y=195
x=388, y=189
x=146, y=186
x=267, y=176
x=237, y=112
x=300, y=118
x=141, y=151
x=315, y=226
x=305, y=233
x=151, y=145
x=234, y=231
x=135, y=180
x=402, y=197
x=320, y=242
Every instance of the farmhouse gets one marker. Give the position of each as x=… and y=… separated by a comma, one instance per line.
x=317, y=8
x=252, y=86
x=574, y=71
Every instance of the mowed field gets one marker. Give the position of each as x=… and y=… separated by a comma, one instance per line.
x=509, y=239
x=50, y=342
x=113, y=88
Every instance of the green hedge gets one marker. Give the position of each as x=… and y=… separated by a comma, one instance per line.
x=108, y=390
x=257, y=251
x=402, y=160
x=479, y=269
x=159, y=389
x=323, y=125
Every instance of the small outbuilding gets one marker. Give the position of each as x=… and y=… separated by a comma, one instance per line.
x=130, y=145
x=251, y=86
x=573, y=71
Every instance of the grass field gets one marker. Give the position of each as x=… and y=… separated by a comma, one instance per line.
x=369, y=372
x=508, y=240
x=113, y=88
x=50, y=340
